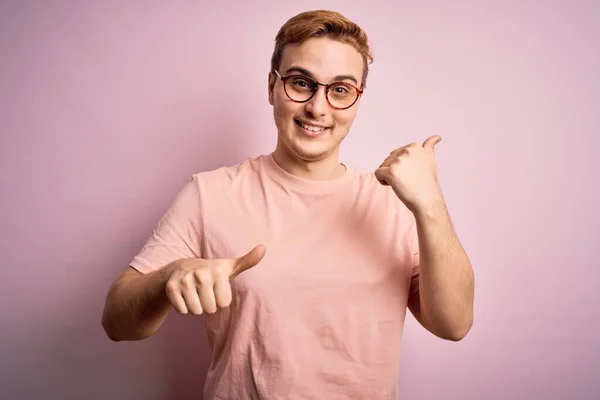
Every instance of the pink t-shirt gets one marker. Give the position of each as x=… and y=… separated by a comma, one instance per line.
x=321, y=316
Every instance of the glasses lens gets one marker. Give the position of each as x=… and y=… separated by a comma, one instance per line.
x=341, y=95
x=299, y=88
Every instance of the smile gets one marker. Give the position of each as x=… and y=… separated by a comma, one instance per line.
x=311, y=128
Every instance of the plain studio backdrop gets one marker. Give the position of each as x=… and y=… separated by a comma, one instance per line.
x=107, y=108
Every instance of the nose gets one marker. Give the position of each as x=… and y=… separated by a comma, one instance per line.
x=317, y=106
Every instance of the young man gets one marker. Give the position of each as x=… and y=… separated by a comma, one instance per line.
x=303, y=267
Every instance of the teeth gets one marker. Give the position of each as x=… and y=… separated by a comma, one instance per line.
x=312, y=128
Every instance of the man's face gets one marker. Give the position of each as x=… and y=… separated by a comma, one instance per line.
x=325, y=61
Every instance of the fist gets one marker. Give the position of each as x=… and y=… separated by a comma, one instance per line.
x=199, y=286
x=411, y=172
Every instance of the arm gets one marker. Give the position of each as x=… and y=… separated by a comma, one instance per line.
x=443, y=301
x=136, y=304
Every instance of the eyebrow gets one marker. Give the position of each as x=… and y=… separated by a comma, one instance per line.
x=310, y=75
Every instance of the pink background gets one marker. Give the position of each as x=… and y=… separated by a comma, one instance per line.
x=107, y=109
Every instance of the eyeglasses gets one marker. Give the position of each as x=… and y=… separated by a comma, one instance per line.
x=300, y=88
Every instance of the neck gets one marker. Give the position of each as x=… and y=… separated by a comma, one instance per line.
x=327, y=168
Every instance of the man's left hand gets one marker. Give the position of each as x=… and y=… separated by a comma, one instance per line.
x=411, y=172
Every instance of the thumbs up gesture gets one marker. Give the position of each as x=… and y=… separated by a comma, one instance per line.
x=411, y=172
x=199, y=286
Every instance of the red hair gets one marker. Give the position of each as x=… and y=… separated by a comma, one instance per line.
x=322, y=23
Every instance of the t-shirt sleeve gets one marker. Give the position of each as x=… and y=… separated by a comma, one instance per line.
x=177, y=234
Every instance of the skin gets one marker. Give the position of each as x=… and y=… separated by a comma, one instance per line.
x=137, y=303
x=443, y=303
x=314, y=158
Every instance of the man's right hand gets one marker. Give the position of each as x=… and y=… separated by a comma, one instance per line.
x=199, y=286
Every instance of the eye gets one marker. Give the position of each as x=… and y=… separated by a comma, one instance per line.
x=341, y=89
x=302, y=83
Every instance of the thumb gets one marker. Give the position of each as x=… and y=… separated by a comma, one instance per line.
x=381, y=175
x=431, y=141
x=248, y=260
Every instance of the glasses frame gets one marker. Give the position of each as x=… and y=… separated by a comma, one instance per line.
x=327, y=86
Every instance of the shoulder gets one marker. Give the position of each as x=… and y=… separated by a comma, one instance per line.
x=229, y=176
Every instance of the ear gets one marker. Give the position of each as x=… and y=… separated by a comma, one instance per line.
x=271, y=86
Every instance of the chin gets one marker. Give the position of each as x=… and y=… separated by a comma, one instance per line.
x=307, y=146
x=310, y=151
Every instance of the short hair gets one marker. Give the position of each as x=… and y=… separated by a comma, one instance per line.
x=322, y=23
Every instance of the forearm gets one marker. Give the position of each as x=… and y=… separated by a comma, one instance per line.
x=446, y=281
x=136, y=305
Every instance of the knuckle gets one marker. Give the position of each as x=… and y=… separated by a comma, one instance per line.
x=171, y=287
x=187, y=283
x=200, y=276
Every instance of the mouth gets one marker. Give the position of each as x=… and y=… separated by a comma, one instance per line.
x=309, y=129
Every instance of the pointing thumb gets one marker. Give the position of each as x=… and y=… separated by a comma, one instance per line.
x=248, y=260
x=431, y=141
